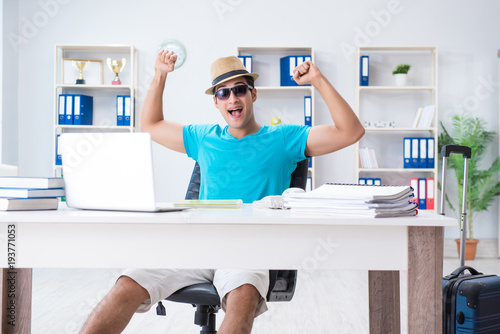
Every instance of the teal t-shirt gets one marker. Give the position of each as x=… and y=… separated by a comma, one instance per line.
x=249, y=168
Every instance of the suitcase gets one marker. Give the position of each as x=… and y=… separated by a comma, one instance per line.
x=471, y=301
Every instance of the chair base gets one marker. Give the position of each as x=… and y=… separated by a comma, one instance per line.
x=205, y=317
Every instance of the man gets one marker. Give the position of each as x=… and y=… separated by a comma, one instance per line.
x=242, y=160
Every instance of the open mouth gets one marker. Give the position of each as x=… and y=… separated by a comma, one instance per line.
x=235, y=112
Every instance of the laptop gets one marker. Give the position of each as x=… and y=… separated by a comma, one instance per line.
x=110, y=171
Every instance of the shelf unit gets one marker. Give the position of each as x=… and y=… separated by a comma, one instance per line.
x=389, y=103
x=99, y=86
x=266, y=62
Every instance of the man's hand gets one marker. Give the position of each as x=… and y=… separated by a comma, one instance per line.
x=165, y=61
x=306, y=73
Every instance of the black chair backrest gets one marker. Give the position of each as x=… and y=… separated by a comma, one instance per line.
x=298, y=179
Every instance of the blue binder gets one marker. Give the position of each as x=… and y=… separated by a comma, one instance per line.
x=430, y=152
x=83, y=109
x=247, y=62
x=287, y=65
x=422, y=156
x=308, y=110
x=364, y=64
x=68, y=118
x=407, y=152
x=119, y=109
x=415, y=151
x=58, y=152
x=62, y=109
x=422, y=193
x=127, y=110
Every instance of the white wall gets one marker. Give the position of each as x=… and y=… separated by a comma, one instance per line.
x=9, y=127
x=461, y=29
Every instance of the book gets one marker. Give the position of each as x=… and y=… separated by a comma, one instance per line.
x=31, y=182
x=210, y=203
x=427, y=116
x=22, y=204
x=31, y=193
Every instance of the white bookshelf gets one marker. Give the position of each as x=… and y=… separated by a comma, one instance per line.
x=383, y=101
x=103, y=92
x=266, y=62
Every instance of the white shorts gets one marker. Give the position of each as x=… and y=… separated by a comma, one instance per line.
x=161, y=283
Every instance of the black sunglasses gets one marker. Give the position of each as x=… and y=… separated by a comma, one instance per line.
x=238, y=91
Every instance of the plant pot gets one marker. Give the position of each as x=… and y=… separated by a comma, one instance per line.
x=470, y=248
x=400, y=79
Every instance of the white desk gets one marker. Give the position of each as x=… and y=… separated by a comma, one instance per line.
x=247, y=238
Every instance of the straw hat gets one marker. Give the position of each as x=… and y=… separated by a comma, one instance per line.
x=225, y=69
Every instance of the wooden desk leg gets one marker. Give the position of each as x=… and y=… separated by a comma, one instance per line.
x=384, y=301
x=16, y=289
x=425, y=272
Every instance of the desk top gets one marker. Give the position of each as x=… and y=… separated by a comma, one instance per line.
x=246, y=215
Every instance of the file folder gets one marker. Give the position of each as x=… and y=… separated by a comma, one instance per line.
x=127, y=110
x=422, y=156
x=58, y=152
x=287, y=65
x=430, y=152
x=83, y=109
x=407, y=152
x=69, y=110
x=62, y=109
x=414, y=185
x=310, y=162
x=119, y=110
x=430, y=194
x=307, y=110
x=363, y=70
x=422, y=194
x=247, y=62
x=377, y=181
x=362, y=180
x=415, y=150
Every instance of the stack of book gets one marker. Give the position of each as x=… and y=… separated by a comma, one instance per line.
x=355, y=200
x=30, y=193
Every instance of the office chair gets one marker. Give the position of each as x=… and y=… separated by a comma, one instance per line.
x=205, y=297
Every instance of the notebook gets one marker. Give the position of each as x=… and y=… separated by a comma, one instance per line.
x=110, y=171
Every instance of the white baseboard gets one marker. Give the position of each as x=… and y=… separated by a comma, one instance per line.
x=486, y=248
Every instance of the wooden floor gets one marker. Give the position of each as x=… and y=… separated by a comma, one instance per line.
x=324, y=302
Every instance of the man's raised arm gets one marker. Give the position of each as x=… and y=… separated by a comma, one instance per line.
x=166, y=133
x=346, y=129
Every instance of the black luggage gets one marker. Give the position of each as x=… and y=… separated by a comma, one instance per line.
x=471, y=301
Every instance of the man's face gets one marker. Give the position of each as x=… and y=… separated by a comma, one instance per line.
x=236, y=110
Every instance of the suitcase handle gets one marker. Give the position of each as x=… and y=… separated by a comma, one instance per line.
x=460, y=270
x=459, y=149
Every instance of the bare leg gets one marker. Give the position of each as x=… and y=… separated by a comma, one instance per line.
x=241, y=304
x=114, y=312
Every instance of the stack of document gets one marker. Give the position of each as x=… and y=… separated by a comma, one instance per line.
x=355, y=200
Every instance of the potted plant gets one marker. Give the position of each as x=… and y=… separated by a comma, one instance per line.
x=400, y=73
x=483, y=185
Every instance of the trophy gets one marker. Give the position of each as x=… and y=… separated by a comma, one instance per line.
x=80, y=64
x=116, y=66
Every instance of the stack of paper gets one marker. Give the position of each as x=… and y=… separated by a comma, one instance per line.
x=355, y=200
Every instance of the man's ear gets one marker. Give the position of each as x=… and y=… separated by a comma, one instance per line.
x=215, y=101
x=254, y=95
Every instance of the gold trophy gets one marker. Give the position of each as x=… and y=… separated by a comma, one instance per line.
x=80, y=65
x=116, y=66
